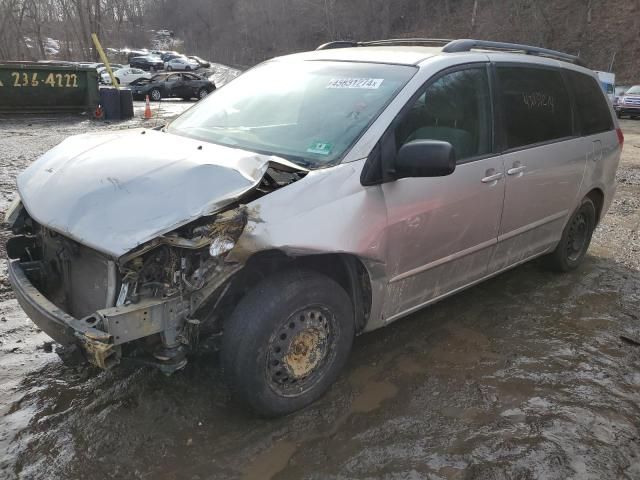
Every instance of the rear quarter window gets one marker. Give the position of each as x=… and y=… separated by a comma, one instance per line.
x=591, y=105
x=535, y=105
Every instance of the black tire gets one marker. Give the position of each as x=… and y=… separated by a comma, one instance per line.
x=155, y=94
x=203, y=92
x=575, y=240
x=286, y=341
x=618, y=114
x=186, y=98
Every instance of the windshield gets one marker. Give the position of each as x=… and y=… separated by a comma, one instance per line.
x=307, y=112
x=635, y=90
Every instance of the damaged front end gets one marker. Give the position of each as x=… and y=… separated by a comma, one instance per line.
x=151, y=304
x=98, y=308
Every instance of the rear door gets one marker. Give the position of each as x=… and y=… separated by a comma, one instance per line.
x=175, y=85
x=544, y=160
x=192, y=84
x=442, y=231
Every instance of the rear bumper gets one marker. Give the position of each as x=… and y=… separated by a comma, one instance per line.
x=96, y=345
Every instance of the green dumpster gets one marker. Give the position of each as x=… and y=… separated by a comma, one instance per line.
x=40, y=87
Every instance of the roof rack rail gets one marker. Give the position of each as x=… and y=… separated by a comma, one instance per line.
x=466, y=44
x=338, y=44
x=388, y=42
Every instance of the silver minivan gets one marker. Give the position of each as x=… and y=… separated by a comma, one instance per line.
x=318, y=196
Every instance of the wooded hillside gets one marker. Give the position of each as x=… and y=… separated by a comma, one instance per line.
x=604, y=33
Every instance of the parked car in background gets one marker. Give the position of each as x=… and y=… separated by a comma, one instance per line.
x=124, y=76
x=166, y=85
x=100, y=67
x=147, y=63
x=131, y=54
x=629, y=103
x=181, y=63
x=114, y=67
x=166, y=56
x=619, y=92
x=201, y=63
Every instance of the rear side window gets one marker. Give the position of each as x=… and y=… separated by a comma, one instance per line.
x=535, y=105
x=591, y=105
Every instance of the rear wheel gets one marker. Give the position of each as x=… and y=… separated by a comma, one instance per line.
x=576, y=238
x=287, y=341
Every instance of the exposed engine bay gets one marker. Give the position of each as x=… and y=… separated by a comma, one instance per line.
x=151, y=304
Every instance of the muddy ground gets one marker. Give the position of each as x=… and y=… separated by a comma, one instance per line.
x=523, y=377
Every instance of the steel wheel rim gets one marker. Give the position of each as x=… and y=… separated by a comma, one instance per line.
x=299, y=350
x=577, y=238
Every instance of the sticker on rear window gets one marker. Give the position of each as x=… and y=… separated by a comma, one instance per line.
x=366, y=83
x=320, y=148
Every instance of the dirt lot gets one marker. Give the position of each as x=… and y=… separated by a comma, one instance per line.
x=525, y=376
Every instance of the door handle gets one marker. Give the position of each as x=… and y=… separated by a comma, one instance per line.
x=492, y=178
x=516, y=170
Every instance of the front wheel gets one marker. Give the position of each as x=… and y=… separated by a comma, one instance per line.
x=576, y=238
x=203, y=92
x=155, y=95
x=286, y=341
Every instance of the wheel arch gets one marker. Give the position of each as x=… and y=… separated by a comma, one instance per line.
x=597, y=197
x=347, y=270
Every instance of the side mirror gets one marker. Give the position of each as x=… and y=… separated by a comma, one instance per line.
x=425, y=158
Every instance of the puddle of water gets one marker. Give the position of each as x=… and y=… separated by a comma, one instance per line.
x=271, y=461
x=372, y=396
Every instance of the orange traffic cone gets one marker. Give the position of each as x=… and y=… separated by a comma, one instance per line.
x=147, y=110
x=99, y=113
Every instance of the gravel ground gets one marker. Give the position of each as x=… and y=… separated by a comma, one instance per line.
x=524, y=376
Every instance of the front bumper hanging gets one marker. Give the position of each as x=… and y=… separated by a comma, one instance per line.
x=100, y=334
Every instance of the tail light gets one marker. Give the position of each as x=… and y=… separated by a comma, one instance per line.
x=620, y=136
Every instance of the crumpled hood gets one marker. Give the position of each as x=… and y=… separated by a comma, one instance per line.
x=115, y=191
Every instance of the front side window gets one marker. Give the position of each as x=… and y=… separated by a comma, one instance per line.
x=536, y=107
x=456, y=108
x=309, y=112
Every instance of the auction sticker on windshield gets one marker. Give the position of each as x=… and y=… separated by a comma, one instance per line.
x=367, y=83
x=320, y=148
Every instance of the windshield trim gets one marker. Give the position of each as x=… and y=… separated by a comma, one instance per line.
x=292, y=158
